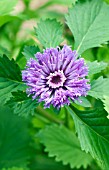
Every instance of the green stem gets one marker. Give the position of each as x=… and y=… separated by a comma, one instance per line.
x=48, y=116
x=66, y=118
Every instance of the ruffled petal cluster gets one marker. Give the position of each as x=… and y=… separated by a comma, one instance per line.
x=56, y=77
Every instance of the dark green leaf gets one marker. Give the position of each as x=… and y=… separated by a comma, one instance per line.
x=21, y=104
x=15, y=168
x=10, y=78
x=43, y=162
x=92, y=128
x=14, y=139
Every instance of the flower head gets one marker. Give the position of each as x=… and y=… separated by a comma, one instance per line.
x=56, y=76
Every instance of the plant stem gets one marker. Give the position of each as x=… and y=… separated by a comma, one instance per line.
x=66, y=118
x=48, y=116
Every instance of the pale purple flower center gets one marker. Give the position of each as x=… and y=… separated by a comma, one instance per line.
x=56, y=79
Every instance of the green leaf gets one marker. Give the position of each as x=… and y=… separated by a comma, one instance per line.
x=106, y=103
x=92, y=128
x=15, y=168
x=64, y=145
x=103, y=54
x=30, y=51
x=99, y=88
x=49, y=33
x=43, y=162
x=6, y=18
x=63, y=2
x=3, y=50
x=89, y=23
x=21, y=104
x=107, y=1
x=6, y=7
x=10, y=78
x=84, y=102
x=14, y=139
x=95, y=67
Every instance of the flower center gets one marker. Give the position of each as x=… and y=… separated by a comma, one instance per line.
x=56, y=79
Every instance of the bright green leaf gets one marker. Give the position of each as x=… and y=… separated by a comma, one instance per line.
x=6, y=6
x=92, y=128
x=49, y=33
x=95, y=67
x=89, y=23
x=6, y=18
x=21, y=104
x=99, y=88
x=30, y=51
x=107, y=1
x=103, y=54
x=106, y=103
x=14, y=139
x=64, y=145
x=10, y=78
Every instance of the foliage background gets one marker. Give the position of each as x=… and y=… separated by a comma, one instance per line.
x=34, y=138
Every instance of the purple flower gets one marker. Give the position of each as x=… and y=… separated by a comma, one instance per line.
x=56, y=76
